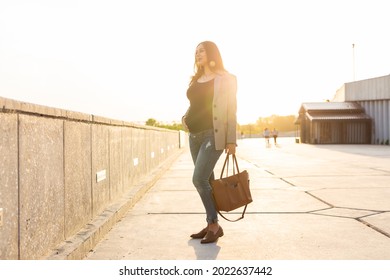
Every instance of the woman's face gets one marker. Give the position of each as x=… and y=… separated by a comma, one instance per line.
x=201, y=56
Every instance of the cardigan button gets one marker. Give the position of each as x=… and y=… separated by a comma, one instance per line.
x=215, y=118
x=216, y=130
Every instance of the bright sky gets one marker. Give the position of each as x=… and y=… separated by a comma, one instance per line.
x=132, y=59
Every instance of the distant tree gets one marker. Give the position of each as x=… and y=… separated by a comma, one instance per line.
x=151, y=122
x=281, y=123
x=249, y=130
x=171, y=126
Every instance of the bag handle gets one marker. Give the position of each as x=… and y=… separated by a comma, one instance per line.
x=240, y=218
x=226, y=164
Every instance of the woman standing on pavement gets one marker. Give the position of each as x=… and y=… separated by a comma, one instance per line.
x=211, y=121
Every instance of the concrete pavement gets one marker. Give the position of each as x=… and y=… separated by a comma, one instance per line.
x=311, y=202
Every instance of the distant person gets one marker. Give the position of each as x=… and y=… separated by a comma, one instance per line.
x=211, y=120
x=266, y=134
x=275, y=135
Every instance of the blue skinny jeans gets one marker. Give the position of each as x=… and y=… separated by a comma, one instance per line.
x=205, y=157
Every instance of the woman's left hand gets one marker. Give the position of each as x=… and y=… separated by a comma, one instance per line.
x=230, y=149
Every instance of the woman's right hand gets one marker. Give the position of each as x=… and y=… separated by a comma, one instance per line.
x=230, y=149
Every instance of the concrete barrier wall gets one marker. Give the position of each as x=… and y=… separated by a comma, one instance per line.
x=60, y=169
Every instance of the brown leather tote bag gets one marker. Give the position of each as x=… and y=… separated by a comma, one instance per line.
x=231, y=192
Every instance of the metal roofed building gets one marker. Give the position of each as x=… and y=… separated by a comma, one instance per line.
x=334, y=123
x=374, y=96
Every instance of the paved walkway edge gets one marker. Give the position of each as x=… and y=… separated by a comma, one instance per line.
x=76, y=247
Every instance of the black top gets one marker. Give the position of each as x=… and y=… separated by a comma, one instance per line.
x=200, y=114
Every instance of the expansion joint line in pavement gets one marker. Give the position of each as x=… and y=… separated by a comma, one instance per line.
x=330, y=206
x=312, y=212
x=374, y=227
x=358, y=219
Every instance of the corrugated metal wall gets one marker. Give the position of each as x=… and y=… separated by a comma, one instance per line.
x=370, y=89
x=379, y=110
x=374, y=96
x=339, y=133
